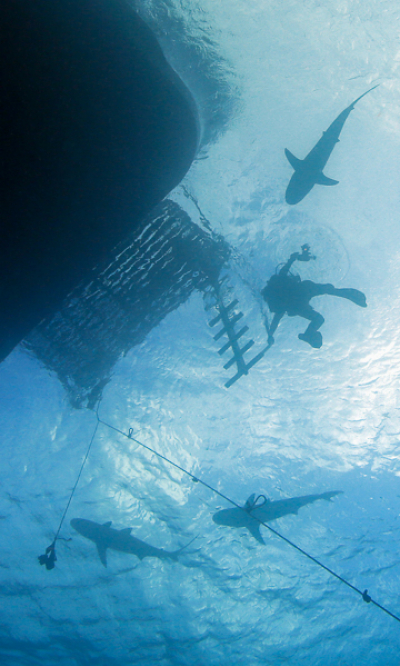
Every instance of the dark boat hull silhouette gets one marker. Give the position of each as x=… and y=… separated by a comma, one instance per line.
x=96, y=129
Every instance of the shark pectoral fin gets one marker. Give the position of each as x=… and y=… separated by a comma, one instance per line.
x=293, y=161
x=324, y=180
x=254, y=528
x=102, y=551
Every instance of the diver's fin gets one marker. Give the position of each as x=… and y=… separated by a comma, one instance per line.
x=314, y=338
x=324, y=180
x=102, y=551
x=353, y=295
x=293, y=161
x=254, y=528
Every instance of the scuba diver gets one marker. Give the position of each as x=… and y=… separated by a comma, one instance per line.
x=287, y=293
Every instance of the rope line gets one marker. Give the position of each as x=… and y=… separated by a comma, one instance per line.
x=49, y=558
x=365, y=596
x=77, y=481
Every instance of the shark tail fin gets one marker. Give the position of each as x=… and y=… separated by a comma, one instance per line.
x=324, y=180
x=328, y=496
x=175, y=553
x=293, y=160
x=363, y=95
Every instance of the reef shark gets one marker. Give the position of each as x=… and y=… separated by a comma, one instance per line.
x=255, y=512
x=104, y=536
x=308, y=172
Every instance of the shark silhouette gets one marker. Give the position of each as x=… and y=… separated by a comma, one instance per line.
x=265, y=510
x=308, y=172
x=104, y=536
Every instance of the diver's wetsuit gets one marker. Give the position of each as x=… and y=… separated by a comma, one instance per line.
x=287, y=293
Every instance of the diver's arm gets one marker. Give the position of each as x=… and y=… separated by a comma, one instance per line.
x=274, y=325
x=286, y=268
x=304, y=256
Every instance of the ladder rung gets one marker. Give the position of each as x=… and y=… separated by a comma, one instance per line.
x=226, y=309
x=220, y=333
x=234, y=358
x=237, y=336
x=233, y=379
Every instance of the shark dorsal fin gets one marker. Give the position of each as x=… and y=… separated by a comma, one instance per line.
x=254, y=502
x=250, y=502
x=293, y=160
x=107, y=524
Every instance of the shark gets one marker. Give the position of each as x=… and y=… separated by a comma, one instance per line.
x=309, y=171
x=259, y=510
x=106, y=537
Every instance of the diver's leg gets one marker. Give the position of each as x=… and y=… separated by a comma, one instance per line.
x=312, y=289
x=312, y=335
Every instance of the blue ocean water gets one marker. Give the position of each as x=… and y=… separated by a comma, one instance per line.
x=302, y=422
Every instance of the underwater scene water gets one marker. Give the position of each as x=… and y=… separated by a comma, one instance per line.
x=303, y=421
